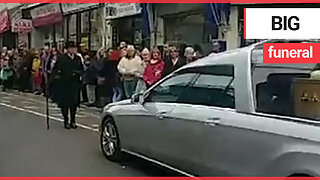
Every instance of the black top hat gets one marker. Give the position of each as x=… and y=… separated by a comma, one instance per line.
x=70, y=44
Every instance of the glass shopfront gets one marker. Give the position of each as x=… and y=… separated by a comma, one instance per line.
x=83, y=25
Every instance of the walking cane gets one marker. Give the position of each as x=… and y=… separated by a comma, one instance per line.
x=47, y=104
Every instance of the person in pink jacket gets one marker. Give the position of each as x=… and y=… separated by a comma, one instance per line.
x=154, y=69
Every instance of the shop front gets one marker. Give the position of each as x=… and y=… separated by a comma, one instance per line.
x=4, y=25
x=126, y=23
x=6, y=37
x=48, y=24
x=183, y=24
x=192, y=24
x=83, y=24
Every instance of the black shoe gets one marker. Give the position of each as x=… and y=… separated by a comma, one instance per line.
x=67, y=126
x=74, y=126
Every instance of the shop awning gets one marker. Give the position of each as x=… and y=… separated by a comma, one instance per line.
x=4, y=21
x=119, y=10
x=46, y=15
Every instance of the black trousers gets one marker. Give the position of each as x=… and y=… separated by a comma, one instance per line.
x=65, y=113
x=24, y=83
x=84, y=93
x=5, y=84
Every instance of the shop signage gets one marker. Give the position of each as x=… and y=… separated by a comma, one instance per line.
x=47, y=14
x=22, y=26
x=118, y=10
x=4, y=21
x=68, y=8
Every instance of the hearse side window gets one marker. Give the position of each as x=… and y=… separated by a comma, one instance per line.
x=280, y=90
x=171, y=89
x=212, y=87
x=207, y=85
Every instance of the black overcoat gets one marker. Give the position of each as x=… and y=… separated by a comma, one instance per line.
x=66, y=76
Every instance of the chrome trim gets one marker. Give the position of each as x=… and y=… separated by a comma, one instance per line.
x=287, y=118
x=157, y=162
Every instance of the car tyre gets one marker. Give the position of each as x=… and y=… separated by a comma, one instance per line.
x=110, y=141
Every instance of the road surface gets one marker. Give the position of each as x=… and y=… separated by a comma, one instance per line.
x=29, y=149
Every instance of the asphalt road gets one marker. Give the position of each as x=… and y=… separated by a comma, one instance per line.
x=27, y=148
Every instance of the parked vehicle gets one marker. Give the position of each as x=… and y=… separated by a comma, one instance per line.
x=227, y=114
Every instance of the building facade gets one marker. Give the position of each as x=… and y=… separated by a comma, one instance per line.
x=187, y=24
x=8, y=13
x=94, y=25
x=125, y=23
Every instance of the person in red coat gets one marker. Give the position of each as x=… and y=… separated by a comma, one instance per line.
x=154, y=69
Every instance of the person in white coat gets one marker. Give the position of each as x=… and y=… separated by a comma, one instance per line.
x=131, y=67
x=146, y=56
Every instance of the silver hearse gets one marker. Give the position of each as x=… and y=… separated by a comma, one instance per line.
x=227, y=114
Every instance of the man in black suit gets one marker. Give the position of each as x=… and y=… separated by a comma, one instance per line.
x=67, y=76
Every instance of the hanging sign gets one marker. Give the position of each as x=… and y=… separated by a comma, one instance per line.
x=22, y=26
x=47, y=14
x=118, y=10
x=4, y=21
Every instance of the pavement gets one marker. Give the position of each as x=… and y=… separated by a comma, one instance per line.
x=29, y=149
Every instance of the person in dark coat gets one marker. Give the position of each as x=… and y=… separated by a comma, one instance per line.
x=90, y=78
x=174, y=62
x=103, y=88
x=111, y=74
x=67, y=74
x=198, y=51
x=24, y=71
x=50, y=65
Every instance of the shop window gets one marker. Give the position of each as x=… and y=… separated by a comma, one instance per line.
x=59, y=37
x=72, y=28
x=184, y=29
x=85, y=22
x=95, y=32
x=65, y=28
x=9, y=40
x=48, y=35
x=126, y=29
x=190, y=29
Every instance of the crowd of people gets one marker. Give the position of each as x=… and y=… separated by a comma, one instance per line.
x=76, y=75
x=109, y=75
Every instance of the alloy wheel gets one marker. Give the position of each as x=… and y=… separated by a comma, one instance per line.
x=109, y=139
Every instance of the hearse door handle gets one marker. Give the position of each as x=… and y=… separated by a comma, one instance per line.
x=211, y=122
x=161, y=114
